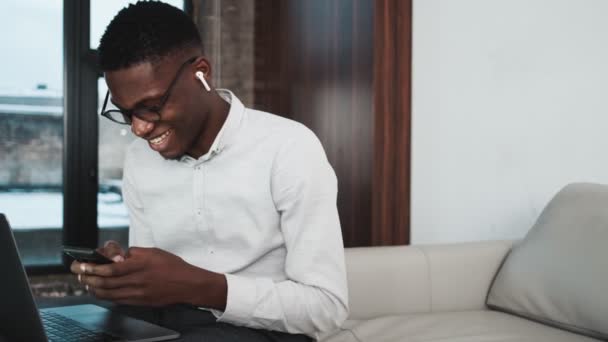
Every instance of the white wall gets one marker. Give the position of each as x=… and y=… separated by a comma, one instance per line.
x=510, y=103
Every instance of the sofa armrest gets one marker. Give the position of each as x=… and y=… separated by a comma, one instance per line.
x=416, y=279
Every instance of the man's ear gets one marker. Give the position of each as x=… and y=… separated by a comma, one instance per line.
x=203, y=65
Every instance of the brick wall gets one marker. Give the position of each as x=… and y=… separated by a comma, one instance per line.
x=31, y=150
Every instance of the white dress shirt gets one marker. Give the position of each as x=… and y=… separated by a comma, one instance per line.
x=259, y=207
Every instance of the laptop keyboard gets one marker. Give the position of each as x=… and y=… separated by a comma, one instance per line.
x=62, y=329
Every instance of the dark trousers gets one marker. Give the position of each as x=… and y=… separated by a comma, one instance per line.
x=200, y=325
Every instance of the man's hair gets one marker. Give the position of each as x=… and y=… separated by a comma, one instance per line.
x=145, y=32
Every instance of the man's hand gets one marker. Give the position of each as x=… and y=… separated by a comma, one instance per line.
x=111, y=250
x=153, y=277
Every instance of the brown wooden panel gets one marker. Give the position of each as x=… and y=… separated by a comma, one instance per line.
x=392, y=74
x=342, y=67
x=331, y=78
x=317, y=69
x=268, y=92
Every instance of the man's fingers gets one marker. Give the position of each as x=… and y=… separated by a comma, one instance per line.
x=112, y=250
x=75, y=267
x=115, y=269
x=80, y=267
x=109, y=282
x=108, y=270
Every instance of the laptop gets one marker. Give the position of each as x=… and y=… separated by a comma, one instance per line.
x=20, y=320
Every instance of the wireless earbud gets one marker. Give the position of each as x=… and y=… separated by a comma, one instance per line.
x=201, y=77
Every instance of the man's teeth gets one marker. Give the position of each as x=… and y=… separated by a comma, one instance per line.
x=160, y=139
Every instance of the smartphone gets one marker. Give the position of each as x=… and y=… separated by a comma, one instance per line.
x=87, y=255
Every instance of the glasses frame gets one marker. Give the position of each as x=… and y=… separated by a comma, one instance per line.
x=139, y=111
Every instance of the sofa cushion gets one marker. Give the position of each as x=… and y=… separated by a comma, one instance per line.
x=464, y=326
x=558, y=274
x=399, y=280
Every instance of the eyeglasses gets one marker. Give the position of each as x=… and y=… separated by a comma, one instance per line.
x=149, y=114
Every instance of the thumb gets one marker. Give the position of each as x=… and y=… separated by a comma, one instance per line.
x=112, y=250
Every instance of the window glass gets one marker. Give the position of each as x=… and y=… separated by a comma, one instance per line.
x=31, y=122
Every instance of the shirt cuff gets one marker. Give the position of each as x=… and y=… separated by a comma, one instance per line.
x=241, y=301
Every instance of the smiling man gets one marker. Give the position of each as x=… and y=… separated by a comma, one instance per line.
x=234, y=231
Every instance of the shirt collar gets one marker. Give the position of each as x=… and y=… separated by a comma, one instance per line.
x=229, y=130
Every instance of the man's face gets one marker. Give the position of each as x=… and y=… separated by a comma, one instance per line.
x=184, y=114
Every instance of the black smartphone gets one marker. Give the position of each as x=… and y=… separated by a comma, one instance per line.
x=87, y=255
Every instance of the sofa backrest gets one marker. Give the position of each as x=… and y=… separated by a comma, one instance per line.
x=416, y=279
x=558, y=275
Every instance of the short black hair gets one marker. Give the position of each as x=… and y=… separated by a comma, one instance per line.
x=145, y=31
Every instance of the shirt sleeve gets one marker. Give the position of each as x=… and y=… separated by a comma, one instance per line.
x=139, y=231
x=314, y=299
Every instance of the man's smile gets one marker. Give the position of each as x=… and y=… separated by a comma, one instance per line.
x=161, y=138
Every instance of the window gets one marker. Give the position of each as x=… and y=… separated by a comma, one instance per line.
x=49, y=176
x=31, y=122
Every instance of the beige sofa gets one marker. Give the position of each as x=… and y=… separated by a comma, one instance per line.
x=433, y=293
